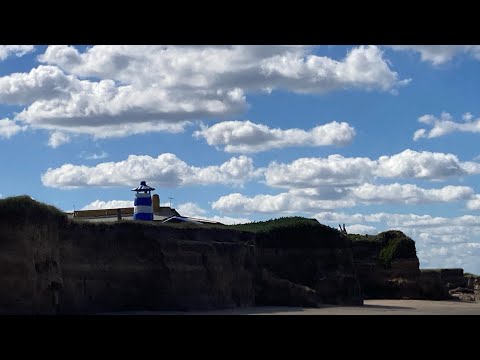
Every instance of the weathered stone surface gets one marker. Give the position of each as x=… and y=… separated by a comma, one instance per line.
x=131, y=266
x=52, y=265
x=30, y=268
x=472, y=291
x=462, y=290
x=329, y=272
x=394, y=280
x=399, y=277
x=281, y=292
x=453, y=278
x=321, y=259
x=431, y=286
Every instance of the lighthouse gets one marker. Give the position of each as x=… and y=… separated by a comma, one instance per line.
x=143, y=202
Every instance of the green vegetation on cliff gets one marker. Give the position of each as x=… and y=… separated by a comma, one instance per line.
x=394, y=245
x=293, y=232
x=282, y=222
x=23, y=206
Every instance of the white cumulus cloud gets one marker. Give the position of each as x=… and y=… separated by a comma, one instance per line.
x=8, y=128
x=445, y=124
x=93, y=156
x=363, y=67
x=311, y=172
x=45, y=83
x=18, y=50
x=193, y=210
x=120, y=90
x=248, y=137
x=474, y=203
x=111, y=204
x=283, y=203
x=420, y=133
x=343, y=171
x=422, y=165
x=440, y=54
x=311, y=200
x=165, y=170
x=58, y=138
x=246, y=66
x=190, y=209
x=408, y=193
x=361, y=229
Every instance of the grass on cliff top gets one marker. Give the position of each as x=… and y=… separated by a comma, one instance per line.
x=293, y=232
x=23, y=206
x=282, y=222
x=182, y=225
x=394, y=245
x=470, y=275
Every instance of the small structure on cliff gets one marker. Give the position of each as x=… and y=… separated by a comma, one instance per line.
x=145, y=207
x=143, y=202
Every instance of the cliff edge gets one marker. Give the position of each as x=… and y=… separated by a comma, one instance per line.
x=50, y=264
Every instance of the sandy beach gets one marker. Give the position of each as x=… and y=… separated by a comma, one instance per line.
x=371, y=307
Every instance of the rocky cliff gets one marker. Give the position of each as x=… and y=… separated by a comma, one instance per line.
x=130, y=265
x=50, y=264
x=30, y=270
x=307, y=253
x=388, y=267
x=464, y=287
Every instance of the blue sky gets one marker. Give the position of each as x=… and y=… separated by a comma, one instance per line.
x=376, y=137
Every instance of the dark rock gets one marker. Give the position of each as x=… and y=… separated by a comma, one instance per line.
x=387, y=266
x=462, y=290
x=131, y=266
x=320, y=259
x=453, y=278
x=272, y=290
x=52, y=265
x=431, y=286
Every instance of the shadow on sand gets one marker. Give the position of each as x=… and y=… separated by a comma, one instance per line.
x=388, y=307
x=258, y=310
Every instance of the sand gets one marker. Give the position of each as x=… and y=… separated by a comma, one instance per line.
x=371, y=307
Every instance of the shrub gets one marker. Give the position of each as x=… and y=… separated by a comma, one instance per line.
x=367, y=238
x=20, y=207
x=293, y=232
x=393, y=244
x=396, y=245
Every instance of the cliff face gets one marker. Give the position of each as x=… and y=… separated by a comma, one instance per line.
x=388, y=267
x=130, y=266
x=476, y=288
x=453, y=278
x=464, y=287
x=473, y=283
x=329, y=272
x=311, y=255
x=52, y=265
x=30, y=270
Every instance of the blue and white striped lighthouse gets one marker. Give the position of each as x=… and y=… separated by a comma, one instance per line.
x=143, y=202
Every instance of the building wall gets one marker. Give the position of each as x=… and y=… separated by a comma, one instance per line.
x=160, y=212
